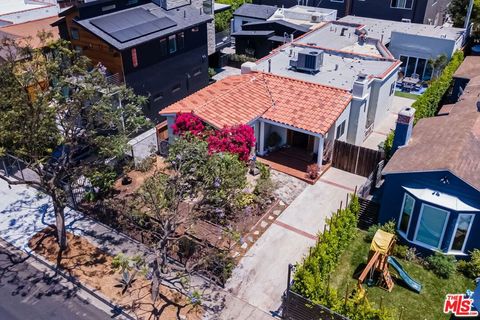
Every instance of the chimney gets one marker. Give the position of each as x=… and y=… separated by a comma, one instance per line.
x=403, y=129
x=359, y=89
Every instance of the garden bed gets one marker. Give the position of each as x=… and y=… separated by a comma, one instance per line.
x=93, y=267
x=426, y=305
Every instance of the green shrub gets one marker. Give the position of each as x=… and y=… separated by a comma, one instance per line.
x=389, y=226
x=471, y=268
x=211, y=72
x=427, y=104
x=241, y=58
x=388, y=144
x=442, y=265
x=400, y=251
x=103, y=180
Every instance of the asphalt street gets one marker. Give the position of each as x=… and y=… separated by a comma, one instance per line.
x=27, y=293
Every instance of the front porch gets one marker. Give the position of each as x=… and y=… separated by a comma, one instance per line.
x=294, y=162
x=290, y=150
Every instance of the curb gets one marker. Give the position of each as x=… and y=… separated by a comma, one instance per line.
x=115, y=310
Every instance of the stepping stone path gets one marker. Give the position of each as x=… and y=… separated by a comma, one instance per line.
x=255, y=233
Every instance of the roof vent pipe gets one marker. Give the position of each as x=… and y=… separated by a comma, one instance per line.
x=269, y=65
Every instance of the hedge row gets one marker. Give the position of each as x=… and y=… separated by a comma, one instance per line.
x=427, y=104
x=311, y=278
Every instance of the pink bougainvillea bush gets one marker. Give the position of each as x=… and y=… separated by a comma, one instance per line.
x=237, y=140
x=187, y=122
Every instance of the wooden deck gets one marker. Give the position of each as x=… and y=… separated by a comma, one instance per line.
x=292, y=161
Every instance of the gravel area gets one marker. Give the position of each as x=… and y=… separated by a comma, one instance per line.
x=287, y=187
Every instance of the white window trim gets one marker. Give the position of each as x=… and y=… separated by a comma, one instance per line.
x=405, y=234
x=340, y=1
x=405, y=8
x=418, y=226
x=466, y=236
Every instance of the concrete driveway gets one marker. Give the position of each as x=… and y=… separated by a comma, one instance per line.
x=261, y=277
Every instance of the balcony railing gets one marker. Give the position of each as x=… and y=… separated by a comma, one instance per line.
x=114, y=79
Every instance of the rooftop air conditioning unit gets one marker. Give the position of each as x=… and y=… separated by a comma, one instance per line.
x=308, y=60
x=315, y=18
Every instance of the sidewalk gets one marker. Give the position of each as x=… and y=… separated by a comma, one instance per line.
x=24, y=211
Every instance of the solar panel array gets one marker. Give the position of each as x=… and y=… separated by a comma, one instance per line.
x=132, y=24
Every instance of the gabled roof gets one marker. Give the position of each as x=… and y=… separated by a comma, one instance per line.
x=244, y=98
x=258, y=11
x=445, y=143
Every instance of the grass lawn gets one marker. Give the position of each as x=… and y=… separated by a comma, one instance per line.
x=426, y=305
x=407, y=95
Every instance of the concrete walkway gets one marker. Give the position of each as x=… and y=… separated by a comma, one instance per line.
x=25, y=211
x=261, y=277
x=382, y=129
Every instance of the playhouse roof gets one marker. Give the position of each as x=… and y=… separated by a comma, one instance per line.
x=242, y=99
x=382, y=241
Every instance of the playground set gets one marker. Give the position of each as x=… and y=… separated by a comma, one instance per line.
x=379, y=258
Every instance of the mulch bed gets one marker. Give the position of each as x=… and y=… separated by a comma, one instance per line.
x=93, y=267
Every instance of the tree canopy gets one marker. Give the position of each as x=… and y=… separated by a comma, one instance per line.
x=458, y=12
x=61, y=117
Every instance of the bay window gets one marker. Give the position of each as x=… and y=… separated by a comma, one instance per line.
x=461, y=232
x=406, y=214
x=431, y=226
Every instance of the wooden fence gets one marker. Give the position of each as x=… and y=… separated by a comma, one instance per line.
x=355, y=159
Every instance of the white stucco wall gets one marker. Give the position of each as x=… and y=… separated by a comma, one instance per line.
x=380, y=98
x=420, y=46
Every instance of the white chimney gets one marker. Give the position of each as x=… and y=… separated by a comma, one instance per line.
x=359, y=89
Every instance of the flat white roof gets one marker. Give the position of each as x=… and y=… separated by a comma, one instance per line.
x=442, y=199
x=12, y=6
x=382, y=29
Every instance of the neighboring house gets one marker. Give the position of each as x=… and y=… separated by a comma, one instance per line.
x=303, y=114
x=469, y=69
x=432, y=182
x=157, y=48
x=340, y=55
x=19, y=11
x=418, y=11
x=28, y=31
x=250, y=13
x=258, y=38
x=412, y=43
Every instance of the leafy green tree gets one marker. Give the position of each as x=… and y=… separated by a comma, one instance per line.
x=224, y=181
x=222, y=19
x=458, y=12
x=54, y=106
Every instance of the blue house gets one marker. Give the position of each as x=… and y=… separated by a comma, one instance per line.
x=432, y=182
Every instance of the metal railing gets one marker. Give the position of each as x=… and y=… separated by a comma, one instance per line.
x=114, y=79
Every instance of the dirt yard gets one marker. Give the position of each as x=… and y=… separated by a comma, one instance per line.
x=94, y=267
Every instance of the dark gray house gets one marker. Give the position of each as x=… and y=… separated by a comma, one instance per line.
x=419, y=11
x=158, y=48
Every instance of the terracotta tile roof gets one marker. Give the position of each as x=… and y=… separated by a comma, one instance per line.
x=241, y=99
x=445, y=143
x=30, y=29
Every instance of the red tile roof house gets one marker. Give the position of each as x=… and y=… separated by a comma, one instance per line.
x=270, y=103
